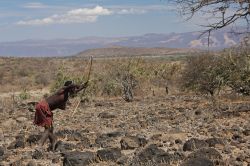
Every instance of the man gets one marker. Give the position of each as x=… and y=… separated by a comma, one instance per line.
x=44, y=115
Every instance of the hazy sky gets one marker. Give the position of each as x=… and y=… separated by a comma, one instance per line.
x=49, y=19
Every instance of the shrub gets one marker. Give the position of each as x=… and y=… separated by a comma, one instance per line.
x=41, y=79
x=24, y=95
x=204, y=73
x=210, y=73
x=238, y=66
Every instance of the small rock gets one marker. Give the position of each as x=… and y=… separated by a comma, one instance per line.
x=212, y=142
x=132, y=142
x=209, y=153
x=16, y=163
x=246, y=132
x=33, y=139
x=106, y=115
x=103, y=104
x=236, y=137
x=243, y=108
x=197, y=112
x=85, y=142
x=240, y=158
x=105, y=141
x=153, y=154
x=198, y=162
x=76, y=158
x=31, y=163
x=38, y=154
x=193, y=144
x=21, y=119
x=116, y=134
x=110, y=154
x=122, y=160
x=62, y=146
x=178, y=141
x=19, y=144
x=1, y=151
x=71, y=135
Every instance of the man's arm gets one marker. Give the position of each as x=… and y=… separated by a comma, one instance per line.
x=81, y=87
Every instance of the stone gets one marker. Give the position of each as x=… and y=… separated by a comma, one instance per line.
x=31, y=163
x=19, y=144
x=75, y=136
x=33, y=139
x=76, y=158
x=197, y=112
x=178, y=141
x=38, y=154
x=1, y=151
x=132, y=142
x=71, y=135
x=246, y=132
x=16, y=163
x=62, y=146
x=153, y=154
x=209, y=153
x=122, y=160
x=116, y=134
x=193, y=144
x=106, y=115
x=104, y=104
x=243, y=108
x=85, y=142
x=105, y=141
x=198, y=162
x=1, y=135
x=21, y=119
x=110, y=154
x=236, y=137
x=212, y=142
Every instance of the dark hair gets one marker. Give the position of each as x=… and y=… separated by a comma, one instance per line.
x=67, y=83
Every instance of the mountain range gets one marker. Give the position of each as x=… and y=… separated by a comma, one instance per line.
x=66, y=47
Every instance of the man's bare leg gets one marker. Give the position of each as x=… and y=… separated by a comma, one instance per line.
x=52, y=138
x=45, y=135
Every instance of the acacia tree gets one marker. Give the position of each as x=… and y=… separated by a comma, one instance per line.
x=219, y=13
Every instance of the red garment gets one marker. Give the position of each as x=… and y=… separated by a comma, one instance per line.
x=43, y=114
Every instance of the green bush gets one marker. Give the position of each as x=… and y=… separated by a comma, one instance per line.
x=204, y=73
x=210, y=73
x=24, y=95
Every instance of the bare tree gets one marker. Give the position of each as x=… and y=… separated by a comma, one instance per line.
x=219, y=13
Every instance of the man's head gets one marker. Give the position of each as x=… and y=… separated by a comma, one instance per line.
x=71, y=90
x=67, y=83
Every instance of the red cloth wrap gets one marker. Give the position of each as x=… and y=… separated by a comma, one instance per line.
x=43, y=114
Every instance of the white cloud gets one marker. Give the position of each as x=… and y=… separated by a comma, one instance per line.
x=35, y=5
x=140, y=9
x=131, y=11
x=81, y=15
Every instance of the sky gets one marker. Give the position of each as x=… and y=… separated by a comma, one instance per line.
x=57, y=19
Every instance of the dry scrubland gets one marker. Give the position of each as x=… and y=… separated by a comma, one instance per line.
x=135, y=112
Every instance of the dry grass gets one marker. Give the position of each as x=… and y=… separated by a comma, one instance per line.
x=19, y=74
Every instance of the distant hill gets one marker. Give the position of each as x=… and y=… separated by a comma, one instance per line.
x=66, y=47
x=129, y=51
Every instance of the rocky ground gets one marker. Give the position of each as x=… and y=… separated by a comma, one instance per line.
x=174, y=130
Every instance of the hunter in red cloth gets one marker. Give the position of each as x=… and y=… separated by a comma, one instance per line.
x=58, y=100
x=43, y=114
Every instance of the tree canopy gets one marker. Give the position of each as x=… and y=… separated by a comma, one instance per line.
x=217, y=13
